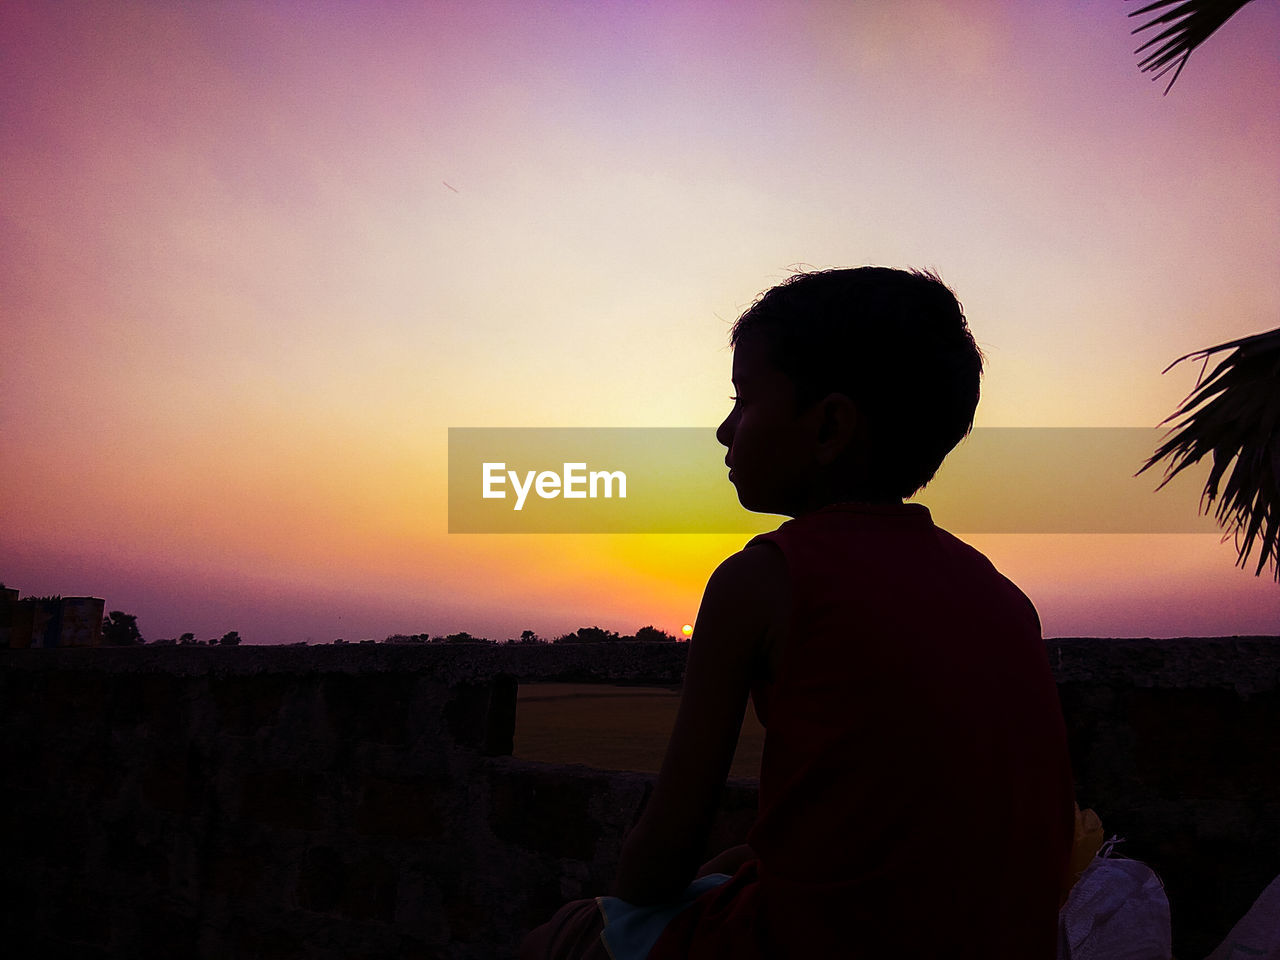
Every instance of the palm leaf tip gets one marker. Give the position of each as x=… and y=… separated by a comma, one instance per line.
x=1234, y=417
x=1188, y=24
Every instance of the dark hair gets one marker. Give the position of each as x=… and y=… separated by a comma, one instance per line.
x=896, y=343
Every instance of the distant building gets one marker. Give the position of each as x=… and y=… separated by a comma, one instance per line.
x=50, y=621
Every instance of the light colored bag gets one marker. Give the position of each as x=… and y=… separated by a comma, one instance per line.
x=1117, y=910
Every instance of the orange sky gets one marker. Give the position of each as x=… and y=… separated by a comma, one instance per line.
x=259, y=257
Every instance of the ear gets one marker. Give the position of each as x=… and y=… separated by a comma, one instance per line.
x=838, y=423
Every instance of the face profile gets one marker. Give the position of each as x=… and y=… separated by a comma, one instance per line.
x=769, y=457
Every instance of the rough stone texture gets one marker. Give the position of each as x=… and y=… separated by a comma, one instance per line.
x=1176, y=745
x=355, y=801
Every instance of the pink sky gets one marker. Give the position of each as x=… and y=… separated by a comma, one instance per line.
x=259, y=257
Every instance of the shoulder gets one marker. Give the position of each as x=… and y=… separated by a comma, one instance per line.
x=748, y=588
x=745, y=605
x=760, y=564
x=1015, y=599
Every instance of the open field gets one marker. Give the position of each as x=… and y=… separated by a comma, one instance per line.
x=612, y=727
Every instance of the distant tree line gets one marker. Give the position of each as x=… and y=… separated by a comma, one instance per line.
x=463, y=637
x=228, y=639
x=120, y=629
x=648, y=634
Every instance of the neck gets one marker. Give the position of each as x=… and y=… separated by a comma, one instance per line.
x=846, y=496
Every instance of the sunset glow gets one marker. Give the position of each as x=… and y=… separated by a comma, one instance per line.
x=260, y=257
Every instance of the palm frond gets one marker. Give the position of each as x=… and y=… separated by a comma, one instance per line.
x=1234, y=416
x=1190, y=23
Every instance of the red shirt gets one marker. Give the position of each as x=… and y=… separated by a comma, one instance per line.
x=915, y=789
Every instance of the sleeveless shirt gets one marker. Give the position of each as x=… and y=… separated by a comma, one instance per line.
x=915, y=797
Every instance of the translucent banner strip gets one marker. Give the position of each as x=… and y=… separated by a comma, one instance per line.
x=673, y=480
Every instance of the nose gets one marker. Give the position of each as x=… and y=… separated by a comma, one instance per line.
x=724, y=432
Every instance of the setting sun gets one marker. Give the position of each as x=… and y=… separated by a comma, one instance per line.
x=687, y=630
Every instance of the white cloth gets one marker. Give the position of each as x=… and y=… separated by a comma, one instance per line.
x=1117, y=910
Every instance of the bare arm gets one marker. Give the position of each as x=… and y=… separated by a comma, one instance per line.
x=738, y=610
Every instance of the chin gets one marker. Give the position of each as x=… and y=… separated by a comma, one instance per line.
x=747, y=501
x=759, y=505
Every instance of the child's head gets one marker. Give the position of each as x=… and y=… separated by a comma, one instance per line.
x=896, y=344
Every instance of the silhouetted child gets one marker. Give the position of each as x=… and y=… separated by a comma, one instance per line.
x=915, y=788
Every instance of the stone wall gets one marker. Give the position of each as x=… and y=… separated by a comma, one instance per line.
x=1176, y=745
x=49, y=621
x=357, y=801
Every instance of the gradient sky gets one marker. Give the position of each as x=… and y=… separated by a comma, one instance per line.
x=258, y=257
